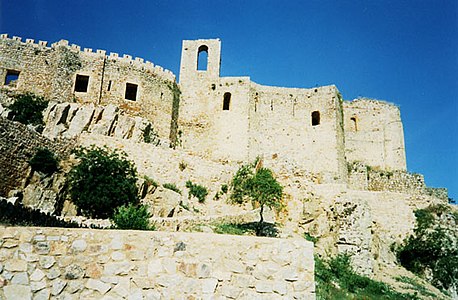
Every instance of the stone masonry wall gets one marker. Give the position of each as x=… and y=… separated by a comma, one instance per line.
x=362, y=177
x=52, y=72
x=272, y=122
x=374, y=134
x=18, y=144
x=92, y=264
x=282, y=130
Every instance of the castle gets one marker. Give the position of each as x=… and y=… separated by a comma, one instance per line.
x=342, y=165
x=221, y=118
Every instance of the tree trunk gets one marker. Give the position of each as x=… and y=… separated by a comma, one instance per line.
x=261, y=221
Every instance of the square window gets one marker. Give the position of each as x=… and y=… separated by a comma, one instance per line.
x=81, y=83
x=131, y=91
x=11, y=77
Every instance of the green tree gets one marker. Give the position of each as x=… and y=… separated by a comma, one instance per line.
x=433, y=246
x=28, y=109
x=258, y=186
x=102, y=181
x=132, y=217
x=44, y=161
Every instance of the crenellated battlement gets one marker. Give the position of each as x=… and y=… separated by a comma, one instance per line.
x=137, y=62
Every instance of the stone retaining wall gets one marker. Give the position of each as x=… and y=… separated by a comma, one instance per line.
x=18, y=144
x=95, y=264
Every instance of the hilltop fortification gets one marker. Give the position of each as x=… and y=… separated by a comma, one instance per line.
x=221, y=118
x=342, y=165
x=234, y=118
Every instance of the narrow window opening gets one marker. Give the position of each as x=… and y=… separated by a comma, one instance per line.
x=202, y=58
x=11, y=77
x=272, y=105
x=81, y=83
x=109, y=85
x=227, y=101
x=131, y=91
x=315, y=118
x=354, y=125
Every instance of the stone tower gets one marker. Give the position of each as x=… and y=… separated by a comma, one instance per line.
x=193, y=55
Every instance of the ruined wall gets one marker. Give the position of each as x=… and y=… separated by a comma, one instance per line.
x=18, y=144
x=374, y=134
x=91, y=264
x=58, y=73
x=363, y=177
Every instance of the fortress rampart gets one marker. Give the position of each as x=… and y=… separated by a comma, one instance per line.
x=234, y=118
x=65, y=73
x=221, y=118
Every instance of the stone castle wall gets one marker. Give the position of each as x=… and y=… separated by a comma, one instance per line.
x=235, y=119
x=374, y=134
x=272, y=122
x=363, y=177
x=282, y=128
x=221, y=118
x=91, y=264
x=53, y=72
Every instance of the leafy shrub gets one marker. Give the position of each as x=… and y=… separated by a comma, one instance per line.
x=132, y=217
x=28, y=109
x=224, y=188
x=196, y=190
x=150, y=181
x=150, y=136
x=433, y=246
x=251, y=228
x=102, y=181
x=182, y=165
x=335, y=279
x=172, y=187
x=44, y=161
x=310, y=238
x=231, y=228
x=415, y=285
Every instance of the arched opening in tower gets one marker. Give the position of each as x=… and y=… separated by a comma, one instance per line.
x=202, y=58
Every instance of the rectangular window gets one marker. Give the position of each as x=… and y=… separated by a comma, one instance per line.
x=131, y=91
x=81, y=83
x=109, y=85
x=11, y=77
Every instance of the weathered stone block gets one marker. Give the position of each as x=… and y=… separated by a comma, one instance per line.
x=20, y=278
x=42, y=295
x=98, y=285
x=17, y=292
x=46, y=262
x=58, y=286
x=73, y=272
x=37, y=275
x=53, y=273
x=79, y=245
x=209, y=285
x=264, y=286
x=37, y=285
x=16, y=265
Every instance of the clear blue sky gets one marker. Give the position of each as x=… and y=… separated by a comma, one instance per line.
x=404, y=52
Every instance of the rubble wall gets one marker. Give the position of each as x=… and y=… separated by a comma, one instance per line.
x=91, y=264
x=18, y=144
